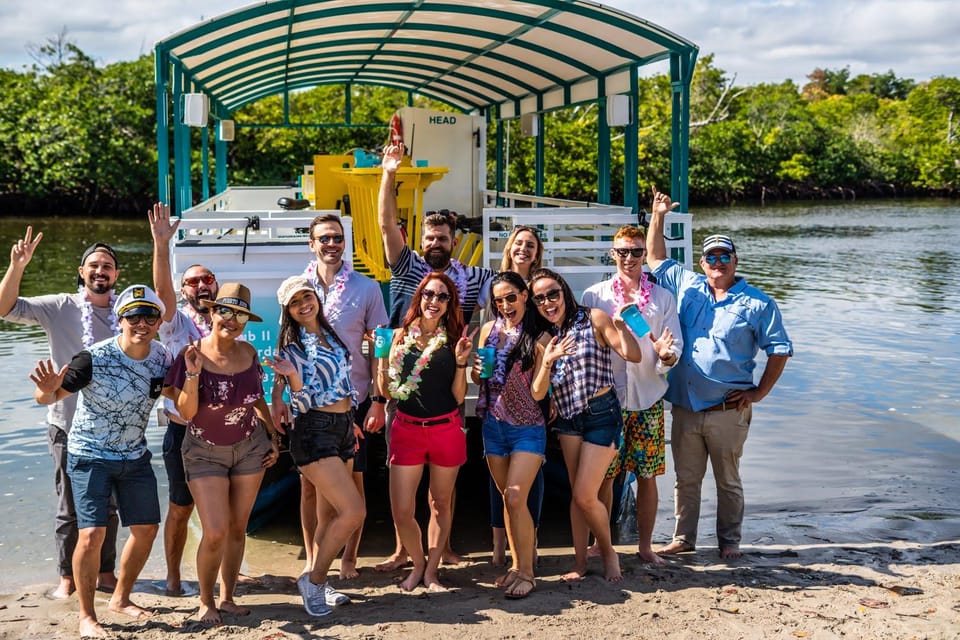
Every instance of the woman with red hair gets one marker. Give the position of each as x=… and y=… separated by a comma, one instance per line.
x=429, y=350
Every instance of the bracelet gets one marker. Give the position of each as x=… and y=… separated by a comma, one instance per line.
x=189, y=375
x=379, y=399
x=462, y=366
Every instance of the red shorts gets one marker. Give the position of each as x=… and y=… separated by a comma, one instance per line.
x=441, y=441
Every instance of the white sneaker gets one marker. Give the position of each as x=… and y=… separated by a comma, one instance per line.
x=314, y=600
x=333, y=597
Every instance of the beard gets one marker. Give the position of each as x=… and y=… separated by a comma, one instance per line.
x=438, y=259
x=98, y=286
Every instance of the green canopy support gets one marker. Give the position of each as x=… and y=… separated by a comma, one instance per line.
x=540, y=163
x=603, y=145
x=631, y=146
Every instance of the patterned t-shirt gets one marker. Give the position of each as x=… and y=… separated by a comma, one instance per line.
x=117, y=393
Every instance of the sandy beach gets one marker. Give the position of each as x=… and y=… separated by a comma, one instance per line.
x=894, y=590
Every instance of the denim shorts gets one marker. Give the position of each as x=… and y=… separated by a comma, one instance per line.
x=601, y=423
x=95, y=480
x=500, y=438
x=177, y=488
x=202, y=459
x=319, y=434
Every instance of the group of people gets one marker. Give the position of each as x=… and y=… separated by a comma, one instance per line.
x=574, y=365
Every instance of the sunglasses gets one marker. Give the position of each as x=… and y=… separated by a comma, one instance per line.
x=150, y=318
x=207, y=279
x=429, y=295
x=510, y=298
x=636, y=252
x=714, y=258
x=549, y=296
x=335, y=239
x=226, y=313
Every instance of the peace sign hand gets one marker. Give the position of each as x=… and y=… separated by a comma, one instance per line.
x=192, y=357
x=464, y=345
x=21, y=253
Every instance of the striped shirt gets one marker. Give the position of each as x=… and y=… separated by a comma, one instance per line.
x=329, y=378
x=410, y=270
x=579, y=377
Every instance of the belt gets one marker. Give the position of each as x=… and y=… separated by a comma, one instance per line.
x=723, y=406
x=426, y=423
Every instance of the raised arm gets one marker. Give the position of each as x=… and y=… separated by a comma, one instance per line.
x=656, y=246
x=163, y=231
x=387, y=203
x=20, y=255
x=616, y=335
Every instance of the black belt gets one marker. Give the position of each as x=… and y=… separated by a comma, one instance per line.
x=426, y=423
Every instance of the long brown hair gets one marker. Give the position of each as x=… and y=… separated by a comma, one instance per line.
x=452, y=320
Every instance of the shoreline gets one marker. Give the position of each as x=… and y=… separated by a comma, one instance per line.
x=776, y=590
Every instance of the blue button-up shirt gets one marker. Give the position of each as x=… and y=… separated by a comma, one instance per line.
x=720, y=339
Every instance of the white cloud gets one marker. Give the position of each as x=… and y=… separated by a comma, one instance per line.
x=759, y=40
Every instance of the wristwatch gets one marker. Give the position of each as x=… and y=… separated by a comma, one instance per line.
x=378, y=399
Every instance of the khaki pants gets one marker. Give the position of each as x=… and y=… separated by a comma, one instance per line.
x=694, y=437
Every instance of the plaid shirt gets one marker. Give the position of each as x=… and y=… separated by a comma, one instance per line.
x=577, y=378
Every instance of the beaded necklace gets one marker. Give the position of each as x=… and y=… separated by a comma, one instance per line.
x=331, y=299
x=410, y=385
x=86, y=317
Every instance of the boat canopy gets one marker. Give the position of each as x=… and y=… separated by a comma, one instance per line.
x=502, y=59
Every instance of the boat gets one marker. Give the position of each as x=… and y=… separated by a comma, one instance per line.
x=489, y=63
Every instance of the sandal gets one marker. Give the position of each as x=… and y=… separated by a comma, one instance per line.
x=507, y=579
x=511, y=594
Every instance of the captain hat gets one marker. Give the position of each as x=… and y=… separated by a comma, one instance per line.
x=138, y=299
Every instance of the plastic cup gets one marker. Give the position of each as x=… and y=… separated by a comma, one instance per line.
x=488, y=360
x=382, y=338
x=634, y=319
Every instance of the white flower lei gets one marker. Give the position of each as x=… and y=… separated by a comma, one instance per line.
x=86, y=317
x=405, y=390
x=331, y=299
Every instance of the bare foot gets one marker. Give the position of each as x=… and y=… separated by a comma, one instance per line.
x=731, y=552
x=231, y=607
x=412, y=581
x=348, y=570
x=209, y=615
x=506, y=579
x=435, y=586
x=394, y=562
x=90, y=628
x=129, y=609
x=499, y=558
x=648, y=555
x=593, y=551
x=573, y=576
x=611, y=566
x=248, y=580
x=449, y=556
x=675, y=547
x=65, y=589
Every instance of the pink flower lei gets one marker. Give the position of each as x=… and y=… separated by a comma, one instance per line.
x=198, y=320
x=402, y=391
x=331, y=299
x=86, y=317
x=642, y=295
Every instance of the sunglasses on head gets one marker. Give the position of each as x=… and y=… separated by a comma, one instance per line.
x=510, y=298
x=150, y=318
x=335, y=239
x=207, y=279
x=429, y=295
x=226, y=313
x=550, y=296
x=714, y=258
x=635, y=252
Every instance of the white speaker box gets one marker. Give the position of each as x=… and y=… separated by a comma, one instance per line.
x=530, y=125
x=225, y=131
x=196, y=107
x=618, y=110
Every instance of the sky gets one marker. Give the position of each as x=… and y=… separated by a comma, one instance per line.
x=756, y=40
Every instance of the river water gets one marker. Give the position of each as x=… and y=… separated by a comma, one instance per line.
x=859, y=441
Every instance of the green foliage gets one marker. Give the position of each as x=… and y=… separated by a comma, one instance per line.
x=81, y=137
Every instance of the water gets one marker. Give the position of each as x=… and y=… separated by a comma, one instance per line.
x=859, y=441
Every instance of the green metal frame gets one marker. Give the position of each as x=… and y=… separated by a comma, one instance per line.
x=206, y=58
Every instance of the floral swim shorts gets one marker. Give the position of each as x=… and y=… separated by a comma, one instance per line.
x=642, y=451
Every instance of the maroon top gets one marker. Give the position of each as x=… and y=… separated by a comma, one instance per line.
x=225, y=413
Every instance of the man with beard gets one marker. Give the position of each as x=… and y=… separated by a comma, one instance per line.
x=353, y=305
x=72, y=322
x=189, y=323
x=437, y=243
